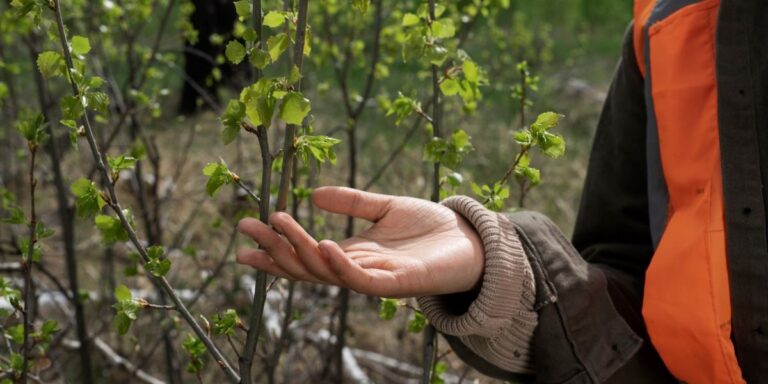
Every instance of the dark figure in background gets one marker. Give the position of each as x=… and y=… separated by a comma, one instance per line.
x=210, y=17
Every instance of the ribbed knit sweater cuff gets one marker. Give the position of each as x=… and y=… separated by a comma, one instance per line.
x=499, y=323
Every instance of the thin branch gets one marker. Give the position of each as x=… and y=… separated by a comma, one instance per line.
x=27, y=263
x=115, y=205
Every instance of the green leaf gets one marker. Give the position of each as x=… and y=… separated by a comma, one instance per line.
x=50, y=64
x=225, y=323
x=243, y=8
x=196, y=350
x=388, y=308
x=98, y=101
x=523, y=137
x=551, y=145
x=295, y=108
x=72, y=107
x=294, y=76
x=471, y=71
x=123, y=293
x=402, y=107
x=545, y=122
x=15, y=333
x=218, y=175
x=122, y=323
x=443, y=28
x=260, y=59
x=450, y=87
x=111, y=229
x=232, y=119
x=410, y=19
x=158, y=267
x=274, y=19
x=157, y=264
x=235, y=52
x=32, y=127
x=318, y=147
x=80, y=45
x=121, y=163
x=417, y=323
x=87, y=197
x=277, y=44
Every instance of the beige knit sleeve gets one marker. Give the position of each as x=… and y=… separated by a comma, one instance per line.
x=499, y=324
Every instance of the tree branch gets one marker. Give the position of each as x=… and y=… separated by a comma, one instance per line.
x=115, y=205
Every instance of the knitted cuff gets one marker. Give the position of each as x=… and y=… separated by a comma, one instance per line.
x=499, y=323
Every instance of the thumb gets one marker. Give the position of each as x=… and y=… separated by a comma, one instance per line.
x=352, y=202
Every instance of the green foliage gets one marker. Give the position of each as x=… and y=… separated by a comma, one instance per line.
x=232, y=119
x=80, y=45
x=448, y=152
x=158, y=265
x=111, y=229
x=218, y=176
x=126, y=309
x=10, y=212
x=196, y=350
x=235, y=52
x=32, y=127
x=388, y=308
x=417, y=323
x=51, y=64
x=401, y=107
x=493, y=197
x=318, y=147
x=87, y=197
x=120, y=163
x=295, y=108
x=225, y=323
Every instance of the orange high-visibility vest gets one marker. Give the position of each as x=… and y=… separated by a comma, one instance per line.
x=686, y=304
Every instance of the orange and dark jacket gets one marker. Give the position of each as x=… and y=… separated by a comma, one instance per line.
x=667, y=279
x=686, y=306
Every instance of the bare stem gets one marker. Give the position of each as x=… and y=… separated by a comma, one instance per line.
x=27, y=264
x=115, y=205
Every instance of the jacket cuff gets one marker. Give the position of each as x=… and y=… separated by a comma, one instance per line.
x=498, y=325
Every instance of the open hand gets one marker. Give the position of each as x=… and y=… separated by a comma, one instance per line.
x=414, y=247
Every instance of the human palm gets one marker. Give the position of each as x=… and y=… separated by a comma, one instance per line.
x=414, y=247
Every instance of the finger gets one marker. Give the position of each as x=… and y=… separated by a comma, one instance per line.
x=353, y=276
x=278, y=248
x=352, y=202
x=305, y=247
x=260, y=260
x=262, y=234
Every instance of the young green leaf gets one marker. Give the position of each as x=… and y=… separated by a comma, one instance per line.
x=235, y=52
x=232, y=119
x=218, y=175
x=318, y=147
x=111, y=229
x=388, y=308
x=243, y=9
x=409, y=20
x=196, y=350
x=157, y=265
x=80, y=45
x=50, y=64
x=277, y=44
x=225, y=323
x=87, y=197
x=295, y=108
x=274, y=19
x=417, y=323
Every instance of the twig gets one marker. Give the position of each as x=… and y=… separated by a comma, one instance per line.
x=26, y=263
x=115, y=205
